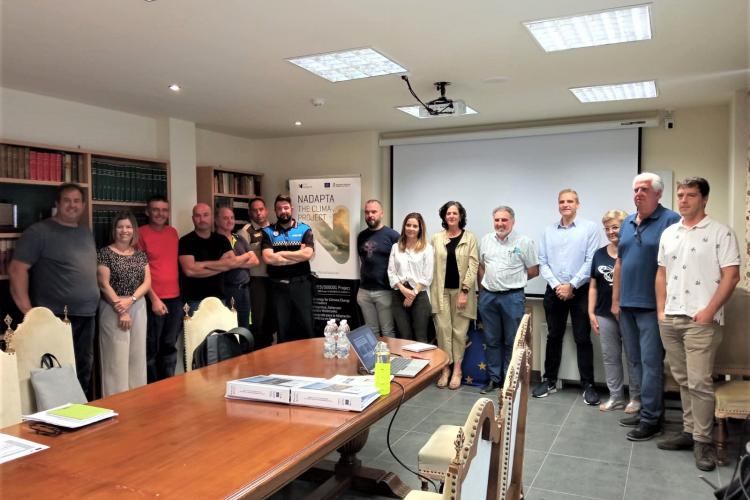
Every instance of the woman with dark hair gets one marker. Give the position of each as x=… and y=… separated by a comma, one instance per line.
x=453, y=289
x=410, y=268
x=124, y=280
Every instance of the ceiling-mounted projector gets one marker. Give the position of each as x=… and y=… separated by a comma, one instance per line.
x=442, y=106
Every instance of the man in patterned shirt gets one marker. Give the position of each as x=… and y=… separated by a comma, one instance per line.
x=699, y=262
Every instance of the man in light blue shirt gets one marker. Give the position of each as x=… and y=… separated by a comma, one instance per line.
x=565, y=255
x=507, y=260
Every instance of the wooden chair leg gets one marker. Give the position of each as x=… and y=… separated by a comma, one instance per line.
x=424, y=485
x=721, y=441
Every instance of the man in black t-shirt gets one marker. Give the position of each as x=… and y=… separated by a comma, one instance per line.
x=204, y=256
x=374, y=247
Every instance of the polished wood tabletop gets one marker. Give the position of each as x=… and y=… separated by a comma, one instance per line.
x=181, y=438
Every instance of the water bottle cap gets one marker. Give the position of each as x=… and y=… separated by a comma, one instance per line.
x=343, y=322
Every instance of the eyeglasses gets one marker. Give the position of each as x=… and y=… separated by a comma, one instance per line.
x=45, y=429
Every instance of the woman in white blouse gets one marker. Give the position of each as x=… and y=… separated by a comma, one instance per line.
x=410, y=268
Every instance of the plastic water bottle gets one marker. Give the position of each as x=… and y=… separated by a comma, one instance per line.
x=329, y=344
x=383, y=368
x=342, y=341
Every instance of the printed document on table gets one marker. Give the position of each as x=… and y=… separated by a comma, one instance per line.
x=12, y=447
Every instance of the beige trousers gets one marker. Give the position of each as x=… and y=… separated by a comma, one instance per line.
x=451, y=327
x=691, y=349
x=123, y=352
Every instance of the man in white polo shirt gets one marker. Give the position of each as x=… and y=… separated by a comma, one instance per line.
x=698, y=269
x=507, y=260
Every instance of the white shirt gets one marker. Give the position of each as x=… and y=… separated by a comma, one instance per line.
x=693, y=258
x=411, y=267
x=506, y=261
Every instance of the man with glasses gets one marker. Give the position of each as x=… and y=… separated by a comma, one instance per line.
x=634, y=300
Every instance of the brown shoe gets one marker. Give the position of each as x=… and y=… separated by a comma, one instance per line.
x=705, y=456
x=680, y=441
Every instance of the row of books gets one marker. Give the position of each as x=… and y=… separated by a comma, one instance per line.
x=102, y=222
x=17, y=162
x=342, y=392
x=229, y=183
x=122, y=181
x=6, y=254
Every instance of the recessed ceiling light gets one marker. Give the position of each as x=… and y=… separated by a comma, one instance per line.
x=616, y=92
x=298, y=123
x=626, y=24
x=175, y=88
x=348, y=64
x=419, y=112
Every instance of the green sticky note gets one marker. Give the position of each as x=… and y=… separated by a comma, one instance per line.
x=78, y=411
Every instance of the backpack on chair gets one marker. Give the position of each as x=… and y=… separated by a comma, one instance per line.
x=220, y=345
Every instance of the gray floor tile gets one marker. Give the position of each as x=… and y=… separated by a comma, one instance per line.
x=406, y=447
x=546, y=412
x=407, y=417
x=532, y=461
x=581, y=440
x=432, y=397
x=668, y=483
x=539, y=494
x=376, y=442
x=441, y=417
x=675, y=469
x=540, y=437
x=463, y=401
x=581, y=476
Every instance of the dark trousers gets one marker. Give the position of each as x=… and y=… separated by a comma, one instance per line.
x=501, y=314
x=84, y=328
x=293, y=301
x=556, y=312
x=161, y=339
x=413, y=321
x=241, y=296
x=263, y=313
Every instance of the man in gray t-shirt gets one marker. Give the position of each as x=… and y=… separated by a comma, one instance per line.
x=53, y=266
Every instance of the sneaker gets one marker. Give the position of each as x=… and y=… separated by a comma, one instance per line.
x=633, y=407
x=489, y=387
x=590, y=396
x=612, y=405
x=644, y=432
x=705, y=456
x=633, y=421
x=680, y=441
x=544, y=389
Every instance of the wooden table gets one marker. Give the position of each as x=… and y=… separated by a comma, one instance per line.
x=181, y=438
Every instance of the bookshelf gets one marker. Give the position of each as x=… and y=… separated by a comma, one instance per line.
x=221, y=187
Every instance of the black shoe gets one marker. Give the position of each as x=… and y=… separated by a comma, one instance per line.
x=590, y=396
x=630, y=421
x=680, y=441
x=544, y=389
x=644, y=432
x=705, y=456
x=489, y=387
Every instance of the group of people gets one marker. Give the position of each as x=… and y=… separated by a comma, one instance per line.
x=141, y=284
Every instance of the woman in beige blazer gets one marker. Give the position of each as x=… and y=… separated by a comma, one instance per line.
x=453, y=288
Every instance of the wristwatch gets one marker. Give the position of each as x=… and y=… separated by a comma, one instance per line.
x=465, y=290
x=132, y=297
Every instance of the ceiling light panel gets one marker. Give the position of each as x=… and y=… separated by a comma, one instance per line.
x=348, y=64
x=616, y=92
x=627, y=24
x=415, y=112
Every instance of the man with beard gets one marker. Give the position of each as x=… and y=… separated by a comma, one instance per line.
x=287, y=249
x=374, y=247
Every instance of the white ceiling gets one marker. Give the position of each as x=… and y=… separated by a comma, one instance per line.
x=229, y=56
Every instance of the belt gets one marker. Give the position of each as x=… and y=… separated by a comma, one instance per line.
x=501, y=292
x=291, y=280
x=243, y=285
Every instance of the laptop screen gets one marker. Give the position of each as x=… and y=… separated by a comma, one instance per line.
x=363, y=342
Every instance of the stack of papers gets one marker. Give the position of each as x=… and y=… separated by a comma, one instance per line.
x=418, y=347
x=12, y=447
x=71, y=416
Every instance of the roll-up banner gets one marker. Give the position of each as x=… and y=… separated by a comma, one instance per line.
x=331, y=206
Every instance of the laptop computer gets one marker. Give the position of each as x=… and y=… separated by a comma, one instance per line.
x=363, y=342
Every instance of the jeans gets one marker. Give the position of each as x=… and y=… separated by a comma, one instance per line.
x=161, y=340
x=293, y=300
x=556, y=312
x=376, y=310
x=611, y=341
x=640, y=334
x=241, y=296
x=501, y=314
x=413, y=321
x=263, y=314
x=84, y=328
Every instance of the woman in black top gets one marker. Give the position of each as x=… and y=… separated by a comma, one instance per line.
x=605, y=324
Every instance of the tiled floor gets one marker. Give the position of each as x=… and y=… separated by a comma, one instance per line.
x=572, y=450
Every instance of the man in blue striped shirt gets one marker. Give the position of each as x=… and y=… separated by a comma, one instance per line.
x=565, y=255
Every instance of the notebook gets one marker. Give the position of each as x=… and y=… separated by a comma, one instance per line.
x=363, y=343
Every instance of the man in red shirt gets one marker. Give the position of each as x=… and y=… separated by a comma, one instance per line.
x=160, y=240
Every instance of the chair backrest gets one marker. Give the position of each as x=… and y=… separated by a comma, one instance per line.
x=470, y=474
x=512, y=422
x=39, y=333
x=523, y=334
x=733, y=354
x=211, y=315
x=10, y=399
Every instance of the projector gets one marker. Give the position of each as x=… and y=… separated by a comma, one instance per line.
x=443, y=107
